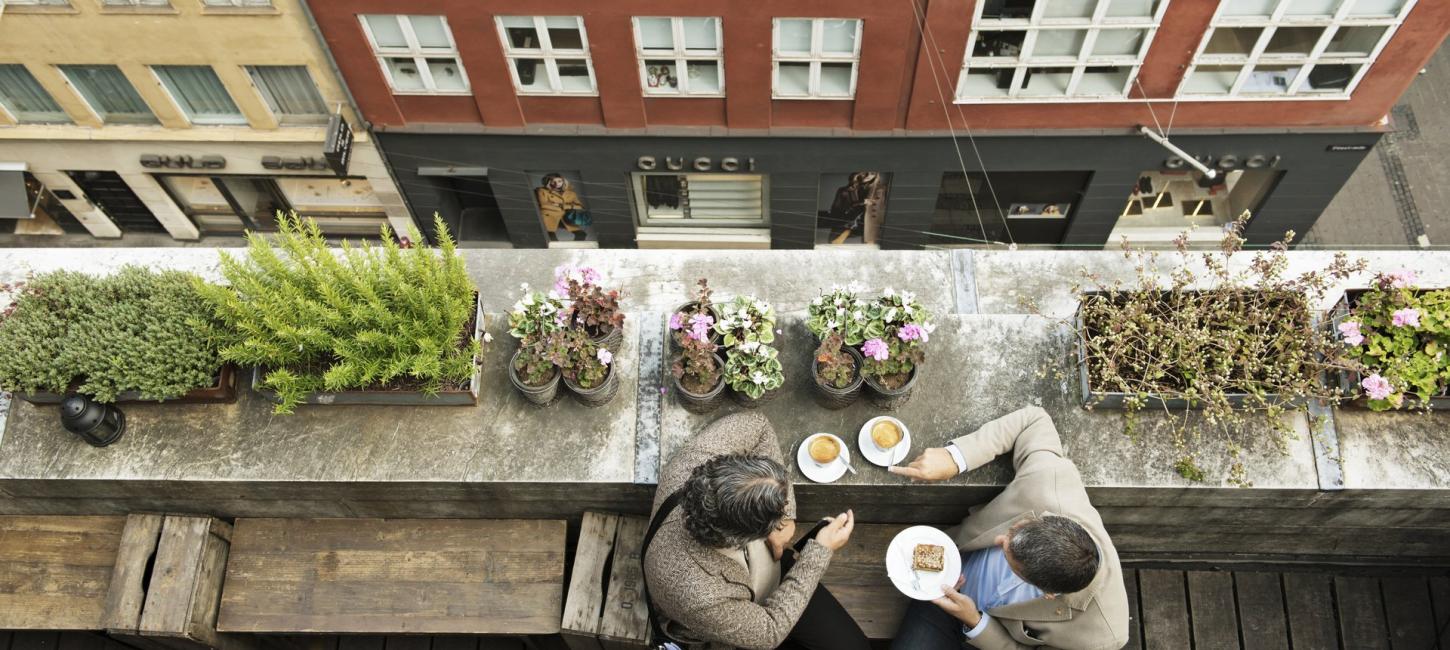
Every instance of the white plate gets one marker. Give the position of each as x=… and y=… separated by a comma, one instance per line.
x=883, y=457
x=898, y=562
x=816, y=471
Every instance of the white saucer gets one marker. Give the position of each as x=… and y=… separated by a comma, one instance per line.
x=898, y=562
x=884, y=457
x=816, y=471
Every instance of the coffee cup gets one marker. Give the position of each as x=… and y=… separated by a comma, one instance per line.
x=824, y=449
x=886, y=434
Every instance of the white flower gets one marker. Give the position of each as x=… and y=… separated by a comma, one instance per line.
x=528, y=299
x=554, y=294
x=860, y=316
x=817, y=301
x=832, y=324
x=487, y=338
x=519, y=306
x=749, y=346
x=891, y=314
x=523, y=286
x=906, y=296
x=758, y=377
x=761, y=306
x=746, y=323
x=841, y=311
x=839, y=301
x=546, y=308
x=889, y=292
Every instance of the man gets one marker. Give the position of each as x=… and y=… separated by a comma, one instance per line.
x=1038, y=568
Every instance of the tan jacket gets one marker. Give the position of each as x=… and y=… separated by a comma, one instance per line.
x=553, y=205
x=1095, y=618
x=704, y=595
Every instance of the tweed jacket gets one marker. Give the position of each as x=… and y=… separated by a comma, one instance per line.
x=1095, y=618
x=701, y=594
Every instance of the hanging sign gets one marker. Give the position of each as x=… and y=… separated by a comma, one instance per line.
x=338, y=148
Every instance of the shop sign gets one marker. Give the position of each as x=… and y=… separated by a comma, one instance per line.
x=158, y=161
x=700, y=164
x=1227, y=162
x=1347, y=147
x=295, y=163
x=338, y=148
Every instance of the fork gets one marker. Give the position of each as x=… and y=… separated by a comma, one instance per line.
x=911, y=566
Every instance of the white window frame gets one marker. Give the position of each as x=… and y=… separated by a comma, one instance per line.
x=419, y=54
x=135, y=4
x=681, y=57
x=1279, y=19
x=1038, y=22
x=240, y=119
x=237, y=4
x=549, y=56
x=815, y=58
x=285, y=119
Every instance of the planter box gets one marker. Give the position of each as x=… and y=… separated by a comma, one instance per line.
x=1112, y=400
x=1348, y=382
x=468, y=396
x=225, y=390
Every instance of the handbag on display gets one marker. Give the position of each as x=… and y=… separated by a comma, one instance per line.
x=579, y=218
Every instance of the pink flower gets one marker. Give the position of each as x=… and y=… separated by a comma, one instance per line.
x=910, y=332
x=876, y=349
x=1402, y=278
x=605, y=356
x=1350, y=331
x=700, y=326
x=677, y=321
x=562, y=318
x=1406, y=317
x=1376, y=387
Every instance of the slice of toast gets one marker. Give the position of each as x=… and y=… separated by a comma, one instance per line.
x=928, y=557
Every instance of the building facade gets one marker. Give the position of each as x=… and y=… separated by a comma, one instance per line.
x=179, y=118
x=894, y=124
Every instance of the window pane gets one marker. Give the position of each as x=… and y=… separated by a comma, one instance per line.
x=386, y=32
x=1007, y=9
x=704, y=76
x=1233, y=40
x=999, y=44
x=1249, y=7
x=1070, y=8
x=1132, y=8
x=1294, y=40
x=987, y=82
x=838, y=36
x=200, y=94
x=700, y=33
x=109, y=93
x=430, y=31
x=795, y=35
x=1356, y=41
x=660, y=76
x=521, y=32
x=24, y=97
x=794, y=79
x=1119, y=42
x=288, y=89
x=836, y=79
x=1331, y=77
x=1212, y=79
x=255, y=198
x=532, y=74
x=405, y=73
x=1270, y=79
x=1376, y=7
x=656, y=34
x=446, y=74
x=564, y=33
x=1058, y=42
x=1046, y=82
x=1107, y=80
x=1312, y=7
x=574, y=75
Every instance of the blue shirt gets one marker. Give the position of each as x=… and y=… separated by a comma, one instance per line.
x=991, y=583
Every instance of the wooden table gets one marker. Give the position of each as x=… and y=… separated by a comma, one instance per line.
x=394, y=576
x=55, y=572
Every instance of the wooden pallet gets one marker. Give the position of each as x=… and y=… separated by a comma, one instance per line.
x=605, y=609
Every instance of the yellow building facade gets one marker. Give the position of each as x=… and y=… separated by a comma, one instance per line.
x=186, y=118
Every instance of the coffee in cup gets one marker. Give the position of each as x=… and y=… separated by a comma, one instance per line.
x=824, y=449
x=886, y=434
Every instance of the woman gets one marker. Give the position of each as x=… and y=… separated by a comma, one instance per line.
x=555, y=197
x=850, y=209
x=718, y=570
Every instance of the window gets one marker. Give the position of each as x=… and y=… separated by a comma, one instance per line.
x=25, y=99
x=701, y=200
x=548, y=55
x=1291, y=48
x=136, y=3
x=290, y=93
x=417, y=54
x=109, y=94
x=230, y=204
x=237, y=3
x=670, y=45
x=1057, y=49
x=815, y=58
x=36, y=3
x=200, y=94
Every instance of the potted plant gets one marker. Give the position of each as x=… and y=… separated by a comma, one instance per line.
x=1396, y=337
x=837, y=372
x=839, y=310
x=532, y=371
x=896, y=329
x=745, y=319
x=361, y=325
x=698, y=374
x=754, y=373
x=694, y=316
x=588, y=369
x=137, y=335
x=591, y=308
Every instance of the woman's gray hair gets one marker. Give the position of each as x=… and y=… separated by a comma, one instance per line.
x=734, y=499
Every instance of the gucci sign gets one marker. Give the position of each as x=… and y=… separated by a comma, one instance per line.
x=700, y=164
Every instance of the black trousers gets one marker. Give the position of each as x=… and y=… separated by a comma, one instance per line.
x=825, y=625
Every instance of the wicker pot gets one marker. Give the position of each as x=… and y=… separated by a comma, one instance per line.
x=838, y=398
x=598, y=395
x=689, y=306
x=541, y=395
x=754, y=402
x=889, y=399
x=611, y=340
x=702, y=403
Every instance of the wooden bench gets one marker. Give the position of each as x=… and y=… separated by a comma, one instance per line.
x=394, y=576
x=605, y=609
x=55, y=572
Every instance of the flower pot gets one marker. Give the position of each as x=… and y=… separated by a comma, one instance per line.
x=598, y=395
x=838, y=398
x=541, y=395
x=1348, y=380
x=224, y=390
x=689, y=306
x=610, y=340
x=754, y=402
x=702, y=403
x=890, y=398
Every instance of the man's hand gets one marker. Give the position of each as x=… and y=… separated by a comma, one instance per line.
x=934, y=464
x=959, y=605
x=838, y=532
x=779, y=538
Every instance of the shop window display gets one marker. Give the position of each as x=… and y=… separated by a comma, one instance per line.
x=854, y=210
x=561, y=207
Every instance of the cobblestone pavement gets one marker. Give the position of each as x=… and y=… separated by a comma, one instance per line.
x=1401, y=190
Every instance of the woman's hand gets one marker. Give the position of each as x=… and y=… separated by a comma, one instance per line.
x=835, y=535
x=779, y=538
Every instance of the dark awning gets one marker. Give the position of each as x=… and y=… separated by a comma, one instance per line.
x=14, y=202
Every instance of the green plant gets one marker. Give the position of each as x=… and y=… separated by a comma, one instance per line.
x=366, y=317
x=890, y=360
x=698, y=320
x=753, y=368
x=746, y=319
x=533, y=365
x=834, y=366
x=838, y=310
x=590, y=307
x=896, y=328
x=1397, y=337
x=138, y=330
x=696, y=367
x=536, y=315
x=581, y=361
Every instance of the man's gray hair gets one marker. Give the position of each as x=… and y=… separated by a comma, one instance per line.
x=1057, y=554
x=734, y=499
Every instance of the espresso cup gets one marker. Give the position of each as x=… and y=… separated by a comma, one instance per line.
x=824, y=450
x=886, y=434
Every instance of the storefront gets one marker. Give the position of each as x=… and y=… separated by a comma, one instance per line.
x=893, y=193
